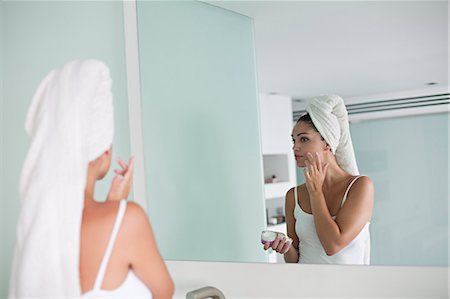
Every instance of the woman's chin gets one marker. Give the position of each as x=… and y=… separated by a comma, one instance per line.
x=300, y=164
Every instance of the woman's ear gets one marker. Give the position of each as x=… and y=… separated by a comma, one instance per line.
x=108, y=151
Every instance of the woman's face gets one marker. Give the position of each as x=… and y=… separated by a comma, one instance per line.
x=306, y=139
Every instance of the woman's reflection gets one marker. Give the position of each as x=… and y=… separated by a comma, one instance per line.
x=328, y=217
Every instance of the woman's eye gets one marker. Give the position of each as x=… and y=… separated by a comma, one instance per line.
x=303, y=139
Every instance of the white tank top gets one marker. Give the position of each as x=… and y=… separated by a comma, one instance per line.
x=132, y=287
x=311, y=250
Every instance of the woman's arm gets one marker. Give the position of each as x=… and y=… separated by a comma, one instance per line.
x=334, y=235
x=352, y=217
x=144, y=255
x=291, y=256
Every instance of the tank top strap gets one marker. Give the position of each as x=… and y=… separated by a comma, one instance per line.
x=296, y=196
x=348, y=189
x=107, y=255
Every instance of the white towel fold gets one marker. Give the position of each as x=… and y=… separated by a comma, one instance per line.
x=329, y=115
x=70, y=122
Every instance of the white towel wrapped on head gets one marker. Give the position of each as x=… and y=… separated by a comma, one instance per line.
x=329, y=116
x=70, y=122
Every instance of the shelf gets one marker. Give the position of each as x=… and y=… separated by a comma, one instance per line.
x=276, y=165
x=277, y=190
x=276, y=183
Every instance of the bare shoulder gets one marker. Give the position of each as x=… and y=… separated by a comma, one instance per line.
x=101, y=212
x=362, y=188
x=136, y=226
x=364, y=183
x=135, y=209
x=290, y=198
x=290, y=193
x=135, y=215
x=300, y=188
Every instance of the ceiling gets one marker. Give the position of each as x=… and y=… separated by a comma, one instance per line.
x=347, y=48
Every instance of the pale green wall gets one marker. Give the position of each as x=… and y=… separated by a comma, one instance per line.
x=201, y=131
x=38, y=37
x=448, y=188
x=407, y=159
x=2, y=206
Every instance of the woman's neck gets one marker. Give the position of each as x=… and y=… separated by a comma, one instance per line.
x=335, y=175
x=90, y=187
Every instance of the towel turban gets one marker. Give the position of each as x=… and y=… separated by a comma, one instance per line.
x=329, y=116
x=70, y=123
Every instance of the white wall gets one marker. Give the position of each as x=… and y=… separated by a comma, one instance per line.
x=276, y=127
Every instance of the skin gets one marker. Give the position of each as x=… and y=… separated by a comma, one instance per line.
x=135, y=247
x=322, y=195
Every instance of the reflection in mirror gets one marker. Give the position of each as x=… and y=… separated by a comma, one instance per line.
x=217, y=146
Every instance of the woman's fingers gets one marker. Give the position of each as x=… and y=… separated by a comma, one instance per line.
x=123, y=166
x=115, y=189
x=315, y=162
x=308, y=162
x=315, y=165
x=121, y=183
x=119, y=172
x=126, y=168
x=275, y=242
x=311, y=158
x=131, y=165
x=128, y=177
x=129, y=171
x=121, y=163
x=308, y=167
x=282, y=244
x=319, y=161
x=306, y=173
x=286, y=246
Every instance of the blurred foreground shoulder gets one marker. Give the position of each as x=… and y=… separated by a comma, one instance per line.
x=135, y=211
x=145, y=259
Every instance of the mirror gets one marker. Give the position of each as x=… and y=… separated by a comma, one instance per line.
x=218, y=159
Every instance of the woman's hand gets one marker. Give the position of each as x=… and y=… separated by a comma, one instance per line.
x=121, y=183
x=315, y=173
x=280, y=244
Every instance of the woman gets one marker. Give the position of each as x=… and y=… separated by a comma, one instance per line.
x=327, y=217
x=68, y=244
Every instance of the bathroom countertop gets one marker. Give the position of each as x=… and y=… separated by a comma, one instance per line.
x=259, y=280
